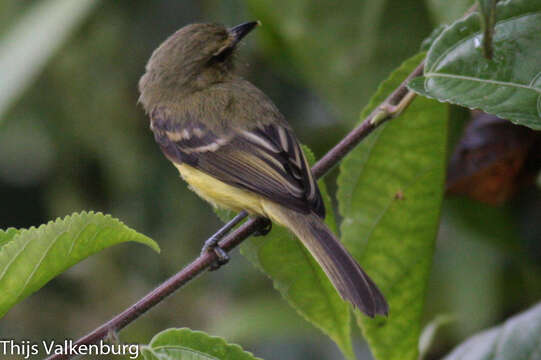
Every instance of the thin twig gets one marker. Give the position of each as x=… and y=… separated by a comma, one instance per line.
x=233, y=239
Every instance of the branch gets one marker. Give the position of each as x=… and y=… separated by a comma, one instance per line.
x=395, y=103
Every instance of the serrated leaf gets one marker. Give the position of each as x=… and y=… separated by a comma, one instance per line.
x=299, y=278
x=7, y=235
x=517, y=338
x=183, y=344
x=30, y=258
x=509, y=85
x=390, y=192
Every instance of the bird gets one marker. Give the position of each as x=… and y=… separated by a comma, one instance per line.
x=236, y=150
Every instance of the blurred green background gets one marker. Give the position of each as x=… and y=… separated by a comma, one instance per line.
x=73, y=138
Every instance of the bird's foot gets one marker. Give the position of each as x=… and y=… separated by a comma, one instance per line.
x=212, y=245
x=265, y=229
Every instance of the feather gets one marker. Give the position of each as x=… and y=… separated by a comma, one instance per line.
x=264, y=158
x=349, y=279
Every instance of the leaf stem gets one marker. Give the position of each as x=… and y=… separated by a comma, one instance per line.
x=488, y=21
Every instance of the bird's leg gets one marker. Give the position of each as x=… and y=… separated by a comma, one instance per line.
x=212, y=243
x=267, y=227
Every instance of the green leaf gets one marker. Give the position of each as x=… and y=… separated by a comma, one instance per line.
x=25, y=49
x=517, y=338
x=390, y=192
x=30, y=258
x=7, y=235
x=299, y=278
x=182, y=344
x=509, y=85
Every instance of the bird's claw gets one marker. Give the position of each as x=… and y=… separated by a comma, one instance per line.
x=222, y=256
x=265, y=229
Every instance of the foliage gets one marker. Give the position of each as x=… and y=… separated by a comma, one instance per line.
x=76, y=140
x=390, y=191
x=517, y=338
x=178, y=344
x=509, y=85
x=30, y=258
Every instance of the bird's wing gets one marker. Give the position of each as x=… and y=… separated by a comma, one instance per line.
x=265, y=159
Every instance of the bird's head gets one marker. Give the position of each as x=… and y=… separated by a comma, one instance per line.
x=194, y=57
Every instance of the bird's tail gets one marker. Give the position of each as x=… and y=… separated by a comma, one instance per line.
x=351, y=282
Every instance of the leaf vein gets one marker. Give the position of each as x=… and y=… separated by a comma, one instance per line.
x=14, y=258
x=486, y=81
x=38, y=264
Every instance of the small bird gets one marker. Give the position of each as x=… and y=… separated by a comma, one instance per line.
x=236, y=150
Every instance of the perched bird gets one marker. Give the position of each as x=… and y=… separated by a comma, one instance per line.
x=236, y=150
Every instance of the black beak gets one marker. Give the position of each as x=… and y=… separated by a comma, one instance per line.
x=242, y=30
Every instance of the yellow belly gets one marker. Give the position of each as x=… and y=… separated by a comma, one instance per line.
x=221, y=194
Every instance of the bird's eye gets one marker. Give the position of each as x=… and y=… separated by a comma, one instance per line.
x=221, y=54
x=225, y=50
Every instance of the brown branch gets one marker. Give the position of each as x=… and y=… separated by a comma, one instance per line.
x=233, y=239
